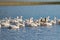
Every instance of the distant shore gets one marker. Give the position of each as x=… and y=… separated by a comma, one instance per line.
x=26, y=3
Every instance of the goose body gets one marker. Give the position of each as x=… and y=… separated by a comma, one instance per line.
x=30, y=22
x=33, y=25
x=53, y=21
x=58, y=21
x=14, y=27
x=46, y=24
x=0, y=25
x=5, y=24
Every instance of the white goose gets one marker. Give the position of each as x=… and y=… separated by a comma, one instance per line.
x=30, y=22
x=0, y=25
x=33, y=25
x=14, y=26
x=22, y=24
x=17, y=25
x=53, y=21
x=46, y=23
x=48, y=19
x=19, y=19
x=38, y=22
x=5, y=24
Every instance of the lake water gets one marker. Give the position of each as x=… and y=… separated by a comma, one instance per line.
x=31, y=33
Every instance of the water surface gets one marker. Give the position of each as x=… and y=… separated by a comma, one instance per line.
x=29, y=33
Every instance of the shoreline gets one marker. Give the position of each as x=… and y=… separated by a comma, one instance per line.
x=26, y=3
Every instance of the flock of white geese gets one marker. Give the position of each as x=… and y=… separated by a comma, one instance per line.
x=18, y=22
